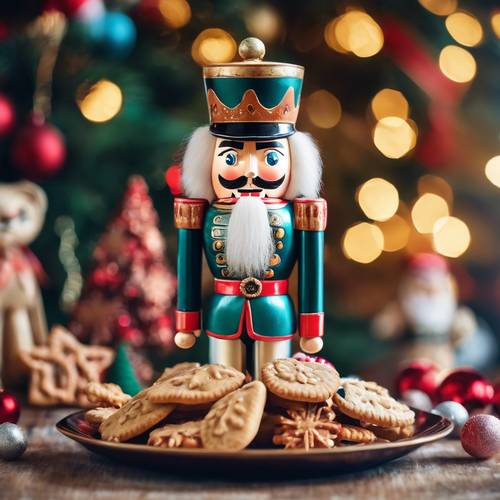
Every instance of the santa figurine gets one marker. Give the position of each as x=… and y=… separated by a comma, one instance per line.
x=251, y=185
x=425, y=317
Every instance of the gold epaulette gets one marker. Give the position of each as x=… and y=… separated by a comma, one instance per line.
x=189, y=212
x=310, y=214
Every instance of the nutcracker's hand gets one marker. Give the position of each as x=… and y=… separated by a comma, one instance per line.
x=186, y=340
x=311, y=345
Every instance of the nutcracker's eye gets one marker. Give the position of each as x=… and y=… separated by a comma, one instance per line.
x=231, y=158
x=272, y=158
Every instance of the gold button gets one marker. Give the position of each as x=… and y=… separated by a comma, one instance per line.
x=220, y=258
x=269, y=273
x=218, y=245
x=275, y=220
x=217, y=219
x=274, y=260
x=279, y=245
x=225, y=272
x=279, y=233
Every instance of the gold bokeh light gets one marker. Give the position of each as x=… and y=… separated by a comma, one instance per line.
x=495, y=23
x=427, y=210
x=378, y=199
x=492, y=170
x=363, y=242
x=176, y=13
x=439, y=7
x=457, y=64
x=101, y=102
x=450, y=236
x=394, y=137
x=324, y=109
x=464, y=28
x=213, y=45
x=434, y=184
x=396, y=233
x=264, y=22
x=390, y=102
x=331, y=37
x=359, y=33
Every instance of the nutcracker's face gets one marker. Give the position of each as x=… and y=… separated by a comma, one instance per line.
x=261, y=168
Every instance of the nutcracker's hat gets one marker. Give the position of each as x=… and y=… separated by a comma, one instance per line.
x=253, y=99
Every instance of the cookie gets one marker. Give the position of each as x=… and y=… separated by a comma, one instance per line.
x=234, y=421
x=371, y=403
x=196, y=386
x=134, y=418
x=98, y=415
x=311, y=426
x=392, y=433
x=300, y=381
x=106, y=395
x=170, y=371
x=184, y=435
x=355, y=434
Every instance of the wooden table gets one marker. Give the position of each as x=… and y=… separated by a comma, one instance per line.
x=54, y=467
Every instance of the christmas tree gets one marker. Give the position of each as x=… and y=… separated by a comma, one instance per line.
x=128, y=295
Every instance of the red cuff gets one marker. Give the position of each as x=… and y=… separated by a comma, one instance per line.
x=311, y=324
x=187, y=321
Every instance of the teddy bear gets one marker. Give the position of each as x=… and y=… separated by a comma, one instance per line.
x=22, y=318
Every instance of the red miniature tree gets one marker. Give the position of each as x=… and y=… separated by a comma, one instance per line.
x=128, y=296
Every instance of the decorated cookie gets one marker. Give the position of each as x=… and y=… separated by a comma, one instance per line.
x=234, y=421
x=134, y=418
x=98, y=415
x=355, y=434
x=371, y=403
x=300, y=381
x=311, y=426
x=391, y=433
x=171, y=371
x=106, y=395
x=184, y=435
x=197, y=385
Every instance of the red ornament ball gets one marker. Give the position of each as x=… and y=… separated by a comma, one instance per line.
x=480, y=436
x=173, y=176
x=9, y=408
x=7, y=116
x=419, y=375
x=467, y=387
x=67, y=7
x=496, y=398
x=38, y=150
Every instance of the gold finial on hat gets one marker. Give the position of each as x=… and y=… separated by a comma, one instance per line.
x=252, y=49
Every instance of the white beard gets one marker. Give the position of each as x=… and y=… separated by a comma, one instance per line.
x=429, y=314
x=249, y=244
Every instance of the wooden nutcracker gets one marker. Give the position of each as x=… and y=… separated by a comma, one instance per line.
x=251, y=183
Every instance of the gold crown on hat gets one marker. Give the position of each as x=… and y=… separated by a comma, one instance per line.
x=263, y=95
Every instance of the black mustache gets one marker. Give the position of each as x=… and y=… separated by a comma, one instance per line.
x=240, y=182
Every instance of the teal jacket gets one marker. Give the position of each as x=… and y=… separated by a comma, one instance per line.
x=269, y=317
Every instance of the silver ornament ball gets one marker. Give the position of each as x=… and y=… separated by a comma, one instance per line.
x=13, y=441
x=452, y=411
x=417, y=399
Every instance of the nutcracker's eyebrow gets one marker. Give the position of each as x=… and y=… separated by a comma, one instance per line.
x=231, y=144
x=270, y=144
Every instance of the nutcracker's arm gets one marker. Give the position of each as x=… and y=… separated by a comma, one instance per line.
x=310, y=222
x=188, y=218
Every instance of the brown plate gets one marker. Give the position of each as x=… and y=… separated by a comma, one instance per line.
x=262, y=462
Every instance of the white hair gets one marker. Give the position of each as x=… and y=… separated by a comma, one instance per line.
x=306, y=165
x=249, y=244
x=197, y=165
